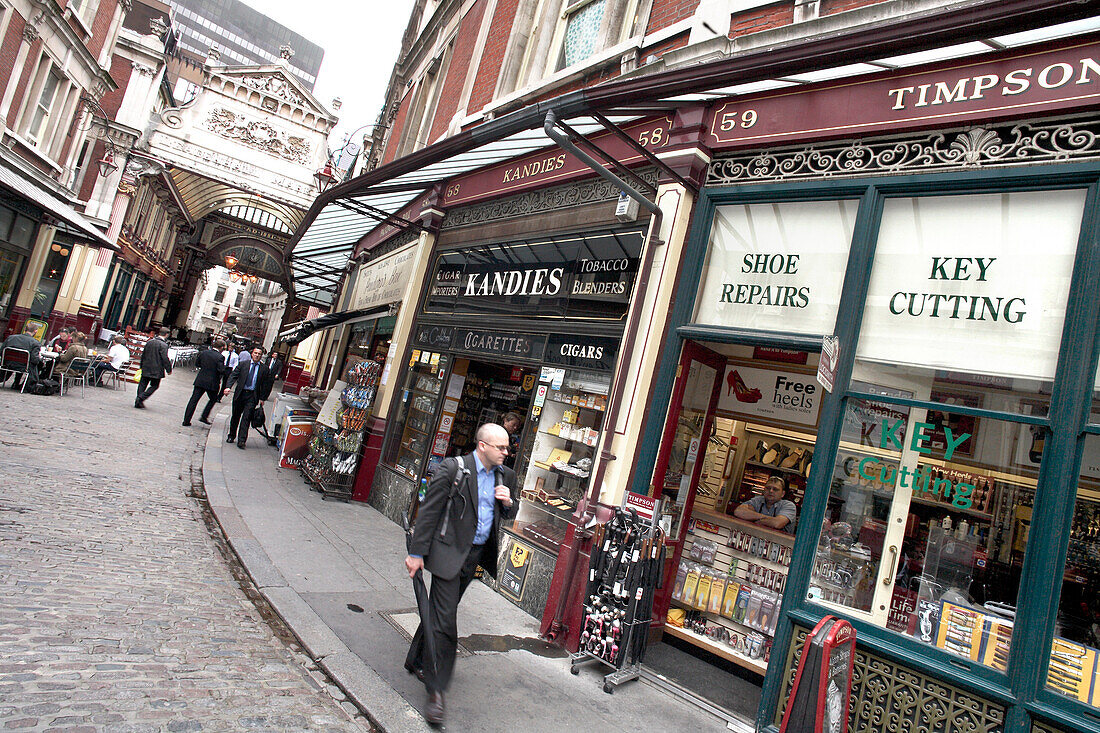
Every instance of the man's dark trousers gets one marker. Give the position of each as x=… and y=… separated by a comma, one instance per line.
x=196, y=394
x=244, y=401
x=443, y=602
x=146, y=387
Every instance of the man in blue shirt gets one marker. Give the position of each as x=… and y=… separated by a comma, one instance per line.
x=457, y=530
x=253, y=382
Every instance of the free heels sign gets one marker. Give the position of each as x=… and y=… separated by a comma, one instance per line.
x=751, y=393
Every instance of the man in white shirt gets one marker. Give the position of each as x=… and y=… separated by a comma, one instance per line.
x=117, y=355
x=231, y=358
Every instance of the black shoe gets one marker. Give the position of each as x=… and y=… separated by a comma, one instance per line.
x=229, y=439
x=187, y=425
x=139, y=404
x=240, y=444
x=204, y=421
x=417, y=672
x=433, y=711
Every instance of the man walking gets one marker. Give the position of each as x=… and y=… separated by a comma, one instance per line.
x=229, y=356
x=207, y=382
x=457, y=529
x=154, y=365
x=253, y=387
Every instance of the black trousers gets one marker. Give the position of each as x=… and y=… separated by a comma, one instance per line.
x=146, y=387
x=443, y=605
x=196, y=394
x=241, y=418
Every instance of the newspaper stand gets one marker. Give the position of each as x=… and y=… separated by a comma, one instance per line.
x=820, y=699
x=624, y=567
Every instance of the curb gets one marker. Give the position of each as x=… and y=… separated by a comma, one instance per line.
x=365, y=688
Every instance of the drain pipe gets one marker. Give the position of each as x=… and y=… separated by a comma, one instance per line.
x=558, y=629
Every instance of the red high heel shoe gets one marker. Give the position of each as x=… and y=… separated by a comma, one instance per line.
x=735, y=384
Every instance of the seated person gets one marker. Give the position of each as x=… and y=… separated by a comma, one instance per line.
x=62, y=340
x=771, y=509
x=117, y=355
x=76, y=349
x=29, y=343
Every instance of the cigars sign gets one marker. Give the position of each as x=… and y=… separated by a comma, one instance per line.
x=575, y=276
x=989, y=87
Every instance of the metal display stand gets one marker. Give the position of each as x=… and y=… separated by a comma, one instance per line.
x=624, y=568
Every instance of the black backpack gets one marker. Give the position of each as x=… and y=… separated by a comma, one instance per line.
x=45, y=387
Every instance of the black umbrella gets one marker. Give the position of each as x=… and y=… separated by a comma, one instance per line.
x=421, y=593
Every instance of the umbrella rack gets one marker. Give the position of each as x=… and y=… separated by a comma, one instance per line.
x=624, y=569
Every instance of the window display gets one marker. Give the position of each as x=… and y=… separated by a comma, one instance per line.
x=568, y=410
x=416, y=411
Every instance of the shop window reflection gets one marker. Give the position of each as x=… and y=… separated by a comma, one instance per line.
x=927, y=523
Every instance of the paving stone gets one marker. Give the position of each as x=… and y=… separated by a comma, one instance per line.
x=118, y=611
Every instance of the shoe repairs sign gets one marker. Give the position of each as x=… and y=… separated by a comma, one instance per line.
x=751, y=393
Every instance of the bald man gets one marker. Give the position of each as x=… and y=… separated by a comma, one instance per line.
x=466, y=501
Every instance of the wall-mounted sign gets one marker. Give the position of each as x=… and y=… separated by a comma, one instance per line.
x=989, y=87
x=553, y=165
x=501, y=344
x=777, y=267
x=433, y=337
x=514, y=575
x=770, y=394
x=582, y=352
x=574, y=276
x=974, y=283
x=383, y=281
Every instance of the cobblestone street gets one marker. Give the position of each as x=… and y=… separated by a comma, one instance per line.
x=118, y=611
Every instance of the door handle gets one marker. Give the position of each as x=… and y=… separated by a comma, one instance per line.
x=890, y=578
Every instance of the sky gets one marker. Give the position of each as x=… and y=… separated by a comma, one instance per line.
x=361, y=42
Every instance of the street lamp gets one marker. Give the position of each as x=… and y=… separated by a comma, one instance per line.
x=230, y=262
x=325, y=177
x=107, y=164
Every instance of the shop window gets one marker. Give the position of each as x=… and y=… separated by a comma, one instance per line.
x=777, y=266
x=930, y=500
x=49, y=285
x=44, y=107
x=10, y=265
x=582, y=30
x=219, y=294
x=416, y=411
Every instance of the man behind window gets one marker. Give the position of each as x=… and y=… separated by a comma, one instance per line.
x=253, y=385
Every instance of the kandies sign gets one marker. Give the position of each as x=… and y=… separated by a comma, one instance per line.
x=989, y=87
x=554, y=166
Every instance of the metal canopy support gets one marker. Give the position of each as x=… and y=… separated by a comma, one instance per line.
x=640, y=149
x=580, y=140
x=383, y=217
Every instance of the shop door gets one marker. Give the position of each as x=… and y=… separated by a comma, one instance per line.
x=676, y=475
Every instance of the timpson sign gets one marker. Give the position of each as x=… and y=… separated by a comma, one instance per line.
x=989, y=88
x=554, y=166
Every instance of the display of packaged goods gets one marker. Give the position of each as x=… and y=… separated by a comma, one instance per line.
x=1072, y=669
x=729, y=599
x=742, y=605
x=702, y=593
x=703, y=551
x=717, y=593
x=691, y=585
x=678, y=586
x=960, y=630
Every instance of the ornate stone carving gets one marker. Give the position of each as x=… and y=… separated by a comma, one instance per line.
x=143, y=69
x=260, y=135
x=30, y=33
x=275, y=85
x=535, y=202
x=286, y=52
x=974, y=147
x=158, y=27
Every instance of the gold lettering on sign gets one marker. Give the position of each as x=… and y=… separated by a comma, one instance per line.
x=545, y=165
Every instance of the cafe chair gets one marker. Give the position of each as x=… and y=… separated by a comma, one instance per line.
x=17, y=361
x=114, y=378
x=77, y=371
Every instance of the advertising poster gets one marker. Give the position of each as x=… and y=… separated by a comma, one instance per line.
x=295, y=445
x=753, y=394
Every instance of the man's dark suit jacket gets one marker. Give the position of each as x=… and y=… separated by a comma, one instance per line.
x=26, y=342
x=154, y=359
x=444, y=556
x=239, y=377
x=211, y=367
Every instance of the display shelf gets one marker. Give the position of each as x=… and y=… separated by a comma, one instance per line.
x=574, y=404
x=559, y=472
x=725, y=619
x=424, y=392
x=720, y=650
x=949, y=507
x=771, y=467
x=731, y=521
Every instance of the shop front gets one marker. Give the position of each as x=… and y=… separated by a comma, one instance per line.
x=881, y=394
x=522, y=332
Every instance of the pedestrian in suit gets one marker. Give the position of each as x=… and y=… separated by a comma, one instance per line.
x=207, y=382
x=154, y=365
x=253, y=385
x=457, y=529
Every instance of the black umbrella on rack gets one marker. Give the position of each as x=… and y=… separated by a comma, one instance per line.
x=420, y=590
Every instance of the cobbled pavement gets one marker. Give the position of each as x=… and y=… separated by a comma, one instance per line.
x=118, y=610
